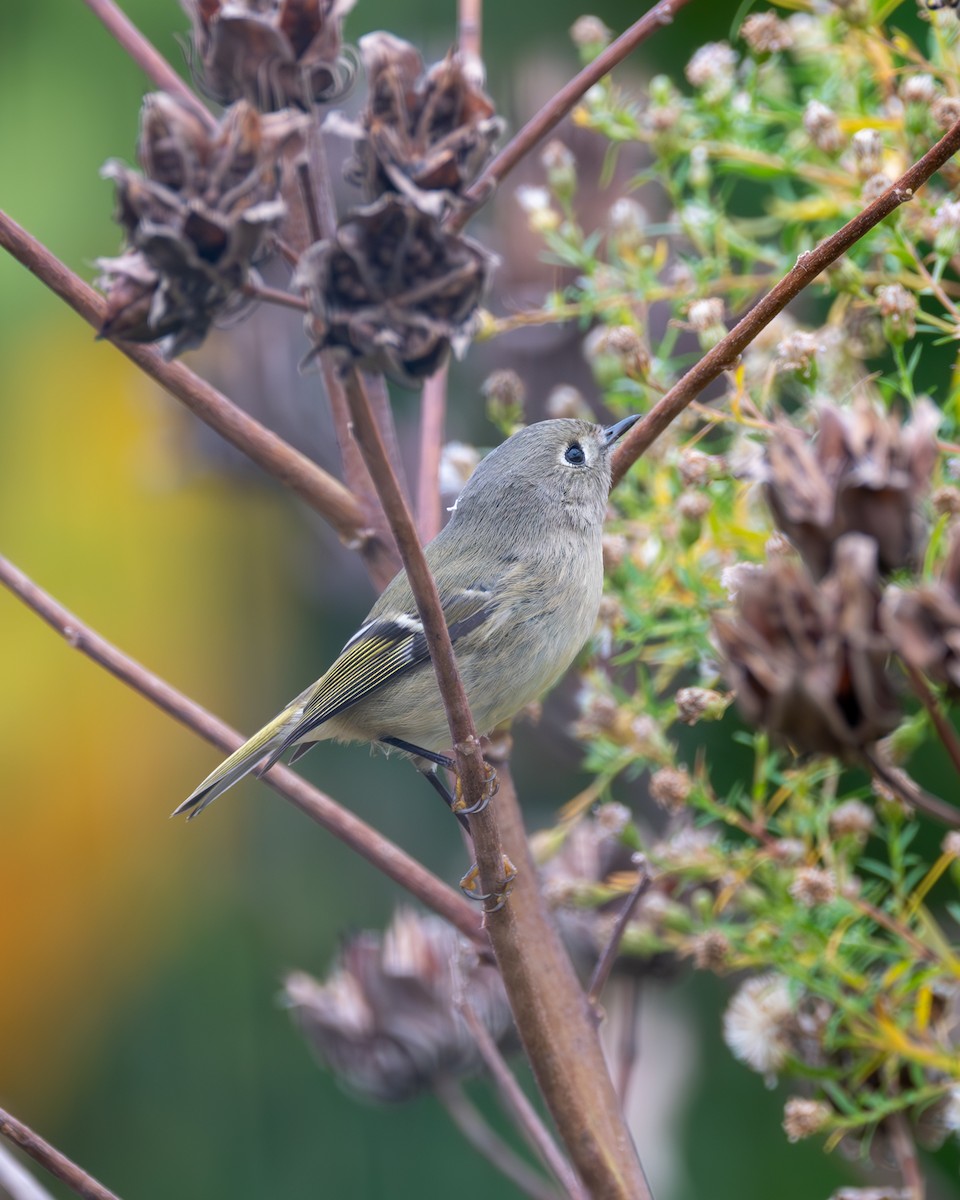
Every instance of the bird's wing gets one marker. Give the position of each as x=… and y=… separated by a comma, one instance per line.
x=384, y=648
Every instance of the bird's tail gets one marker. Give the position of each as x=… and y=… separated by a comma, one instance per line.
x=270, y=741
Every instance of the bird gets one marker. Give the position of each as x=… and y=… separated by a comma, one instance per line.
x=519, y=571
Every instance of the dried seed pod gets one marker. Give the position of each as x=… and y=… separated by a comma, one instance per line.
x=272, y=53
x=865, y=473
x=195, y=221
x=808, y=662
x=425, y=134
x=923, y=622
x=387, y=1020
x=392, y=290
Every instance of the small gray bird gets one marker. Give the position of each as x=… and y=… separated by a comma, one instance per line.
x=519, y=569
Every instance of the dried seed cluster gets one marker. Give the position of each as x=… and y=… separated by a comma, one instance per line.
x=388, y=1021
x=195, y=219
x=809, y=643
x=273, y=53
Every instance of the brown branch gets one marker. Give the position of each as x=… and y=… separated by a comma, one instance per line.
x=318, y=488
x=383, y=562
x=366, y=842
x=559, y=105
x=147, y=57
x=556, y=1024
x=433, y=405
x=271, y=295
x=945, y=731
x=725, y=353
x=515, y=1101
x=475, y=1129
x=50, y=1158
x=545, y=997
x=601, y=972
x=469, y=29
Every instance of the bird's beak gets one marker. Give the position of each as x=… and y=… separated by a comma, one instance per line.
x=613, y=433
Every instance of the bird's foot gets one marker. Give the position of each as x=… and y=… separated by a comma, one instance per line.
x=491, y=785
x=470, y=886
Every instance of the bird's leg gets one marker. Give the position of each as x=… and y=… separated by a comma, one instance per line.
x=430, y=773
x=456, y=802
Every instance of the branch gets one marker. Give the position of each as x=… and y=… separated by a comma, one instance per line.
x=366, y=842
x=433, y=406
x=147, y=57
x=560, y=105
x=515, y=1101
x=59, y=1166
x=725, y=353
x=557, y=1025
x=463, y=735
x=318, y=488
x=601, y=972
x=485, y=1141
x=469, y=29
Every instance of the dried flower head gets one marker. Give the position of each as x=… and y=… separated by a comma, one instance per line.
x=273, y=53
x=852, y=818
x=765, y=33
x=758, y=1023
x=867, y=152
x=567, y=401
x=195, y=220
x=696, y=704
x=865, y=473
x=822, y=125
x=710, y=951
x=387, y=1021
x=898, y=307
x=423, y=133
x=589, y=33
x=923, y=622
x=808, y=663
x=622, y=343
x=670, y=788
x=918, y=89
x=813, y=886
x=711, y=69
x=945, y=111
x=802, y=1118
x=392, y=290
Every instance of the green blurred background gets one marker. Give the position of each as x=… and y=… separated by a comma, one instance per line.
x=140, y=958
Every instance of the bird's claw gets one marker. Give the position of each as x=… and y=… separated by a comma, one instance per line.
x=470, y=886
x=491, y=785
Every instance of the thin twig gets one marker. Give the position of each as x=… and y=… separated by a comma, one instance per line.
x=945, y=731
x=809, y=265
x=318, y=488
x=628, y=1043
x=366, y=842
x=271, y=295
x=601, y=972
x=904, y=1148
x=463, y=734
x=433, y=407
x=59, y=1166
x=147, y=57
x=515, y=1100
x=469, y=29
x=910, y=792
x=477, y=1131
x=559, y=105
x=322, y=217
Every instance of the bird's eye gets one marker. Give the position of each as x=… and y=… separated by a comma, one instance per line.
x=575, y=455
